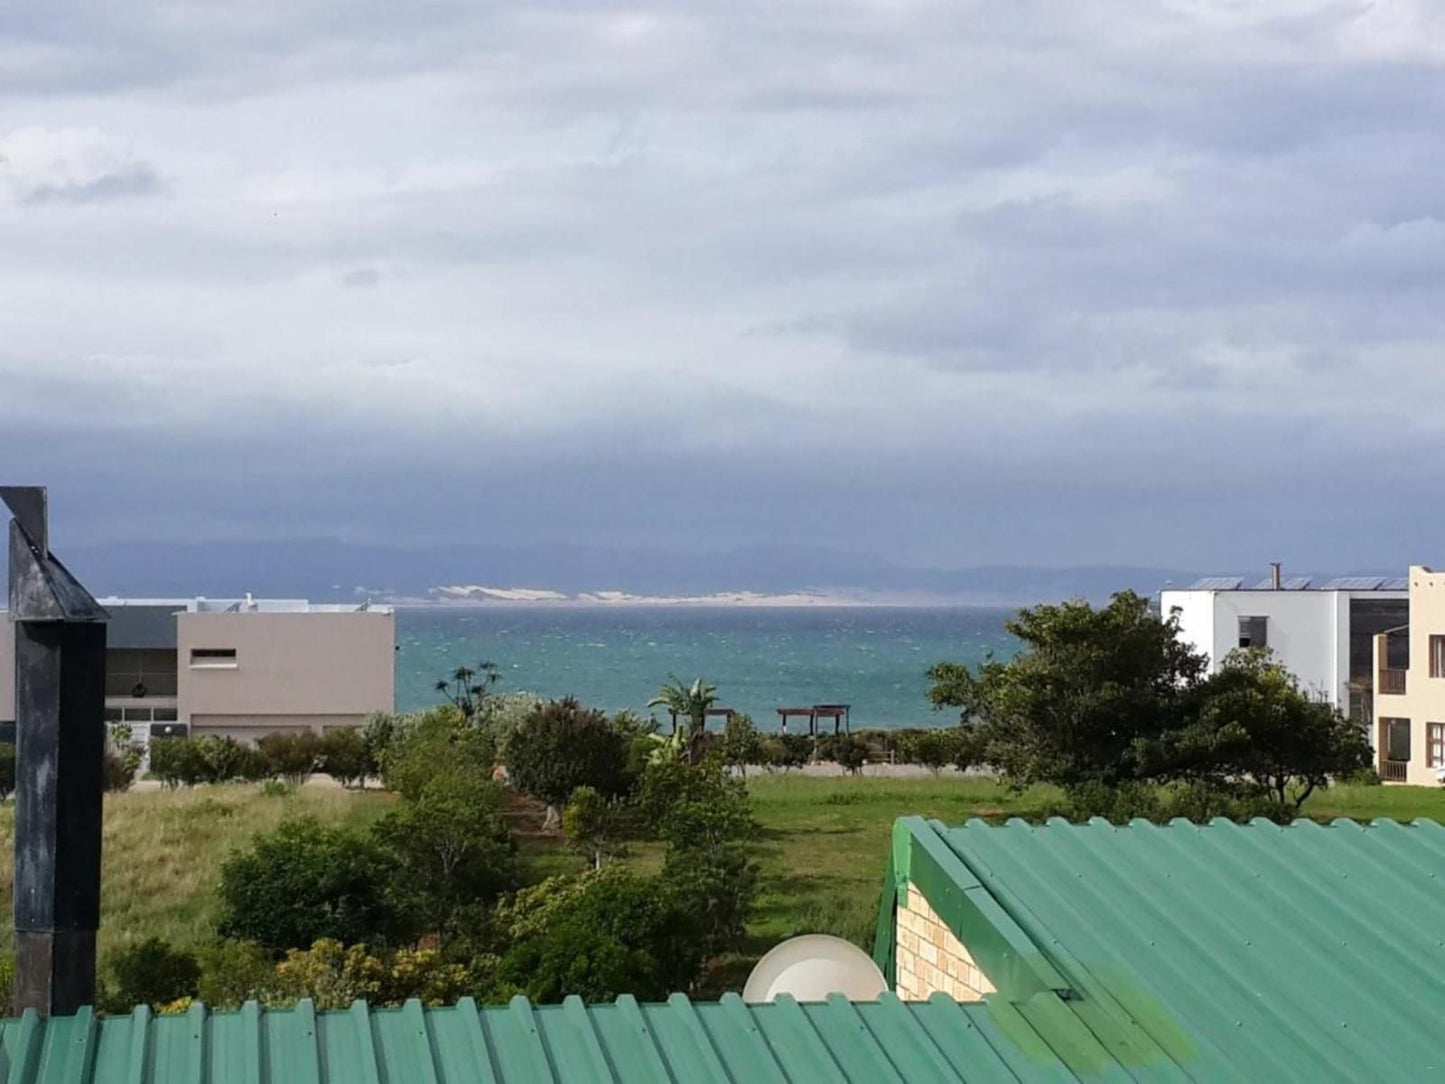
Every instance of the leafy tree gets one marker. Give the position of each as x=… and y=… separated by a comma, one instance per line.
x=344, y=755
x=595, y=826
x=451, y=846
x=153, y=973
x=691, y=702
x=599, y=935
x=428, y=742
x=851, y=753
x=741, y=743
x=784, y=751
x=376, y=734
x=1257, y=729
x=1083, y=699
x=304, y=881
x=469, y=687
x=292, y=757
x=563, y=746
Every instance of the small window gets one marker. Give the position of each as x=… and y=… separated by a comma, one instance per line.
x=217, y=657
x=164, y=715
x=136, y=715
x=1437, y=656
x=1435, y=745
x=112, y=715
x=1254, y=632
x=1397, y=739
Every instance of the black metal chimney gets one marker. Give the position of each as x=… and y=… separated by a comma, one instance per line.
x=60, y=744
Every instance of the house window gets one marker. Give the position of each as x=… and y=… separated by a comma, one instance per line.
x=1397, y=739
x=1254, y=632
x=214, y=658
x=1437, y=656
x=1435, y=745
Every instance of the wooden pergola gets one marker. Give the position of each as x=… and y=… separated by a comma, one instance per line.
x=839, y=713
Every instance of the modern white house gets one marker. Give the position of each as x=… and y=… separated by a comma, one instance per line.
x=240, y=667
x=1409, y=733
x=1322, y=632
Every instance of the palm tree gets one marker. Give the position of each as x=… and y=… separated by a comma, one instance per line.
x=691, y=702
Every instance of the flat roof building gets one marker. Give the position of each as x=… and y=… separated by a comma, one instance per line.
x=1321, y=631
x=240, y=667
x=1409, y=733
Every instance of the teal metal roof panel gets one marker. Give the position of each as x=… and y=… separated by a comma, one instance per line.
x=1244, y=952
x=679, y=1041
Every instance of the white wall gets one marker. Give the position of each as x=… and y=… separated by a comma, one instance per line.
x=1308, y=631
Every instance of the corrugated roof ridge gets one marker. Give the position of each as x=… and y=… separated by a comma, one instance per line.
x=897, y=1020
x=1275, y=949
x=1094, y=988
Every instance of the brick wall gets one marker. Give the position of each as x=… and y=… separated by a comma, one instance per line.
x=931, y=959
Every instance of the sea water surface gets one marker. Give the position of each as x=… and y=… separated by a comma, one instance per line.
x=873, y=658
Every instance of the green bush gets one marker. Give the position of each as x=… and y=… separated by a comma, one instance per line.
x=290, y=756
x=427, y=742
x=344, y=755
x=303, y=882
x=186, y=762
x=851, y=753
x=7, y=770
x=451, y=847
x=563, y=746
x=233, y=972
x=784, y=751
x=152, y=973
x=119, y=770
x=741, y=743
x=334, y=976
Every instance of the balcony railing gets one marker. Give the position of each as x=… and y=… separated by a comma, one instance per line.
x=1393, y=771
x=1392, y=682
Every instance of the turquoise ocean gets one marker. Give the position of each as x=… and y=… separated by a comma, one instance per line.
x=873, y=658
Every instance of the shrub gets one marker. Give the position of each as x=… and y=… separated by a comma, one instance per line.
x=1364, y=777
x=303, y=882
x=344, y=755
x=563, y=746
x=292, y=757
x=503, y=714
x=741, y=743
x=376, y=735
x=233, y=972
x=430, y=741
x=208, y=759
x=451, y=846
x=595, y=826
x=152, y=973
x=598, y=936
x=935, y=749
x=119, y=770
x=784, y=751
x=851, y=754
x=7, y=770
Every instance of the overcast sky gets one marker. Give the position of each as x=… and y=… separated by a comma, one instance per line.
x=1059, y=282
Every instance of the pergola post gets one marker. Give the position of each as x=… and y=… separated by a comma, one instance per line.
x=60, y=745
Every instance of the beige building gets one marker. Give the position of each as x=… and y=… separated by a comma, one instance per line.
x=1409, y=731
x=242, y=667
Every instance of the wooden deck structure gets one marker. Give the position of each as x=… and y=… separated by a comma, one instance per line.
x=712, y=713
x=839, y=713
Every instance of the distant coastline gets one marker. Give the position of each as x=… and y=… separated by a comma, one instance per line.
x=480, y=595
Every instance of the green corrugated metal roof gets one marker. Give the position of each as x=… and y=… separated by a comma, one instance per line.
x=680, y=1040
x=1240, y=952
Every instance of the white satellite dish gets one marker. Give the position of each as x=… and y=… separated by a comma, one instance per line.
x=813, y=966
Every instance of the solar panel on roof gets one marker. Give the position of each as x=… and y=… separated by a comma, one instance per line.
x=1400, y=583
x=1217, y=583
x=1297, y=583
x=1355, y=583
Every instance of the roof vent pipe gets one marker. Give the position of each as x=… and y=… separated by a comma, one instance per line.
x=1275, y=581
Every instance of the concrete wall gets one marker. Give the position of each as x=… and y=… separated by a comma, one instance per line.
x=1308, y=631
x=290, y=670
x=931, y=959
x=7, y=670
x=1424, y=699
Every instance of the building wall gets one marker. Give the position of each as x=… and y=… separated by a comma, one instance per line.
x=1424, y=699
x=931, y=959
x=1308, y=631
x=291, y=669
x=7, y=669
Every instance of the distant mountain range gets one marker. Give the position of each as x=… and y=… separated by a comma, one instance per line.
x=331, y=570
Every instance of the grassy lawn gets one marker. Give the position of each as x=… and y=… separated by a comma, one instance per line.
x=162, y=852
x=824, y=847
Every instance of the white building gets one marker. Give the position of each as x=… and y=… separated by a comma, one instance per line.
x=238, y=667
x=1322, y=633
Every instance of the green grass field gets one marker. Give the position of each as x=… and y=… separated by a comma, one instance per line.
x=824, y=847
